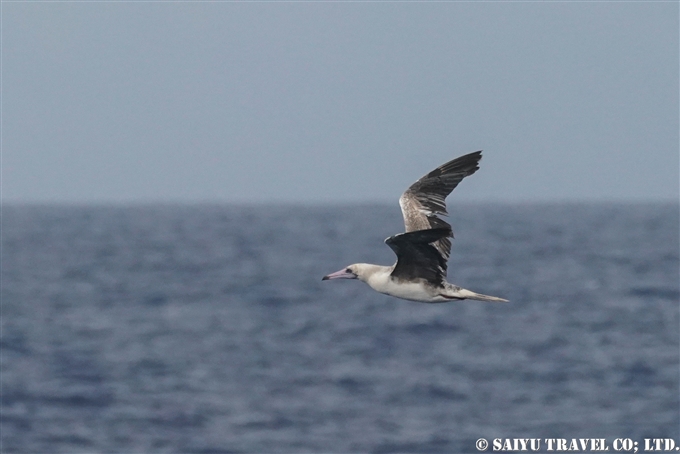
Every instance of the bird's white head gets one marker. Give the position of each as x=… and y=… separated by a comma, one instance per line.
x=361, y=271
x=349, y=272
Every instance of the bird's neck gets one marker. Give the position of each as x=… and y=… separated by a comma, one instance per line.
x=375, y=275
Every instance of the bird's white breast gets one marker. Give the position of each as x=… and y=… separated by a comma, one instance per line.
x=415, y=291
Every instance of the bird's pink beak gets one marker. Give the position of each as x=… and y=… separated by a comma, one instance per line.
x=342, y=274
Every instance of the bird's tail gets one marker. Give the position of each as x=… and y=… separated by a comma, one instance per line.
x=467, y=294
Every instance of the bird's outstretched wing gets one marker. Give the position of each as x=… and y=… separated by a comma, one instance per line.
x=425, y=199
x=417, y=258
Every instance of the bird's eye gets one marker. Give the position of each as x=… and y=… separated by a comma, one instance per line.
x=348, y=270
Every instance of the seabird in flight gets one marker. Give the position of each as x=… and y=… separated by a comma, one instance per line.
x=423, y=250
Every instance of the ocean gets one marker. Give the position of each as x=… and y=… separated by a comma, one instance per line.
x=207, y=329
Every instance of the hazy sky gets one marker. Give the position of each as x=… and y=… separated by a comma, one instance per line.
x=337, y=101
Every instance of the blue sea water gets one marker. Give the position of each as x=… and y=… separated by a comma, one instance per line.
x=207, y=329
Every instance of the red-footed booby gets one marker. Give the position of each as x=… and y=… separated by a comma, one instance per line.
x=423, y=250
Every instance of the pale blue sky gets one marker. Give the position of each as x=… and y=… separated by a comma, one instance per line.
x=339, y=101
